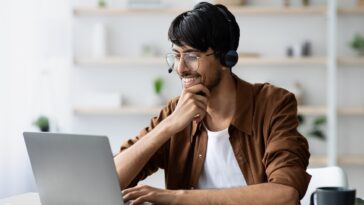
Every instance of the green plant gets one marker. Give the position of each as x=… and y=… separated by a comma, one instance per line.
x=359, y=201
x=158, y=85
x=42, y=122
x=357, y=43
x=101, y=3
x=317, y=126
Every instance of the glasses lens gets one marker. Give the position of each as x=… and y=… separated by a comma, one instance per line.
x=171, y=60
x=191, y=61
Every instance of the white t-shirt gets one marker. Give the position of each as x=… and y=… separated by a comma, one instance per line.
x=220, y=170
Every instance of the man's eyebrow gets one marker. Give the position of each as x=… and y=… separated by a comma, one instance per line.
x=190, y=50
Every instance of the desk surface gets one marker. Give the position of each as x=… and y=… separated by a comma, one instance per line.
x=22, y=199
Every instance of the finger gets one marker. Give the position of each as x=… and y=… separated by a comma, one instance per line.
x=143, y=199
x=134, y=192
x=198, y=88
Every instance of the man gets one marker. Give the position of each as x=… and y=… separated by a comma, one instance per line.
x=223, y=140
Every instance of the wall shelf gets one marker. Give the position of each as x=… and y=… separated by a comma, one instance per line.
x=253, y=61
x=126, y=110
x=351, y=111
x=311, y=110
x=144, y=110
x=119, y=61
x=238, y=10
x=351, y=61
x=343, y=160
x=351, y=10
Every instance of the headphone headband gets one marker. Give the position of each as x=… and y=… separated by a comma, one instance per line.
x=230, y=58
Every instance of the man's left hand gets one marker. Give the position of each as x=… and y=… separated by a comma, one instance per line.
x=144, y=193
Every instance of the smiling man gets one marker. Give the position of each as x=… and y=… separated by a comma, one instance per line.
x=223, y=140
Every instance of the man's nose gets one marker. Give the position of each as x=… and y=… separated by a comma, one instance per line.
x=181, y=67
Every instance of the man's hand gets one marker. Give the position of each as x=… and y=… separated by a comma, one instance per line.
x=192, y=105
x=144, y=193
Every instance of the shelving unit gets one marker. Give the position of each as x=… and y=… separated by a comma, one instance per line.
x=238, y=10
x=331, y=62
x=145, y=110
x=254, y=61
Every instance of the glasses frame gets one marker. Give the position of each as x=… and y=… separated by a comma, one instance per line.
x=173, y=68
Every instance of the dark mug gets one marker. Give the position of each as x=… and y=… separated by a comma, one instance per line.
x=333, y=196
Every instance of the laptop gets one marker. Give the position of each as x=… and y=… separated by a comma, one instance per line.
x=72, y=169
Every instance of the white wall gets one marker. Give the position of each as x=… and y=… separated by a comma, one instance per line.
x=34, y=61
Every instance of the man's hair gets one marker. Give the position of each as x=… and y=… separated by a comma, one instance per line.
x=205, y=27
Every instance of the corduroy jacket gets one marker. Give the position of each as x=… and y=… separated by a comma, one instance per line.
x=263, y=135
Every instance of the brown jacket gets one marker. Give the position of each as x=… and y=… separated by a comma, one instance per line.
x=263, y=134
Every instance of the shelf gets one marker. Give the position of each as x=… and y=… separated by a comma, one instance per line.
x=135, y=110
x=278, y=10
x=351, y=10
x=253, y=61
x=282, y=61
x=237, y=10
x=351, y=110
x=119, y=61
x=341, y=110
x=343, y=160
x=311, y=110
x=351, y=61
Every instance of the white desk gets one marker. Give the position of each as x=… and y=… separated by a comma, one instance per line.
x=22, y=199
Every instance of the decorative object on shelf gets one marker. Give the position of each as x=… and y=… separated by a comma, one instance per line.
x=305, y=2
x=157, y=98
x=144, y=3
x=357, y=43
x=306, y=50
x=299, y=49
x=317, y=128
x=42, y=122
x=361, y=3
x=230, y=2
x=101, y=3
x=289, y=51
x=151, y=50
x=99, y=41
x=286, y=3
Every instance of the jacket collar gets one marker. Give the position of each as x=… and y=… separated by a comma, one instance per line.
x=243, y=116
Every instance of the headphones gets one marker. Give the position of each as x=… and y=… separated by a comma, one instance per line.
x=230, y=58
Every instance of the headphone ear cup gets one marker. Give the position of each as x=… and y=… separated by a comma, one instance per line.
x=230, y=58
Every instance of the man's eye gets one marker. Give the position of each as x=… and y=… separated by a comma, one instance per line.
x=191, y=57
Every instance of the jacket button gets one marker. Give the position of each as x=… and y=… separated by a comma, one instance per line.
x=200, y=156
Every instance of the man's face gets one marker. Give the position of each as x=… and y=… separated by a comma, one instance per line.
x=194, y=67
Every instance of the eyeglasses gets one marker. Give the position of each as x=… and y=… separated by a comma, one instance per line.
x=190, y=60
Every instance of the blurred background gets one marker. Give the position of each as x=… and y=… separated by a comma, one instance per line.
x=97, y=67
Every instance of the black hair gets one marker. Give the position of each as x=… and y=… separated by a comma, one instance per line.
x=205, y=27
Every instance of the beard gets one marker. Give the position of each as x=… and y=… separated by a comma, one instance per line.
x=209, y=83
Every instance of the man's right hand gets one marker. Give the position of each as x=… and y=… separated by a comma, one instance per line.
x=191, y=105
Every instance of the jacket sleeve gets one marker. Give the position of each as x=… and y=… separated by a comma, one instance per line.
x=286, y=157
x=159, y=159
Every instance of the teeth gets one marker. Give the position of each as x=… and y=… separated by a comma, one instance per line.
x=189, y=81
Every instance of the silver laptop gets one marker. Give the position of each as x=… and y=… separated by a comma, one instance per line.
x=73, y=169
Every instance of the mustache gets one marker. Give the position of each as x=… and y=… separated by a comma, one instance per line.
x=189, y=74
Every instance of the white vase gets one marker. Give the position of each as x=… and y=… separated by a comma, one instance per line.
x=157, y=100
x=99, y=36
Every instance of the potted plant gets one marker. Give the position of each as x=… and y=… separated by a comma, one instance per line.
x=101, y=3
x=42, y=122
x=317, y=127
x=357, y=43
x=158, y=84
